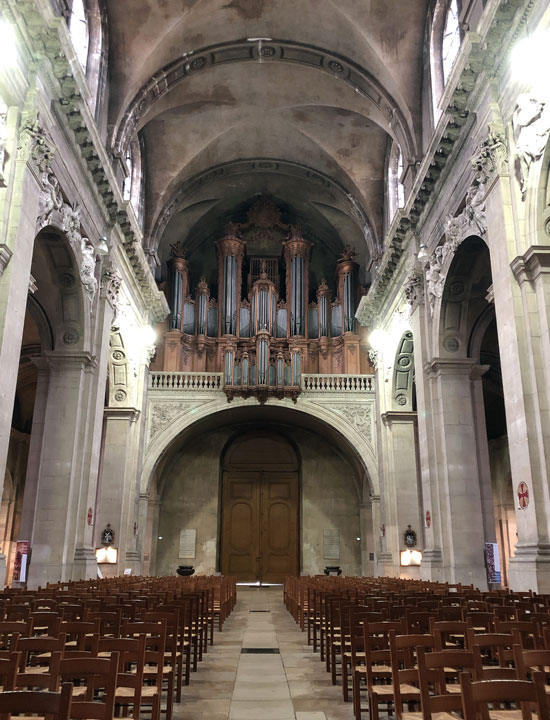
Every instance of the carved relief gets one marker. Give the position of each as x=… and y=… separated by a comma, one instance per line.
x=34, y=143
x=163, y=414
x=111, y=282
x=414, y=289
x=434, y=279
x=360, y=416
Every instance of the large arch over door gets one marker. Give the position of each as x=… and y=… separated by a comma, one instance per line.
x=260, y=508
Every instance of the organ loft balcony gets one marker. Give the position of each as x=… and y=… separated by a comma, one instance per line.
x=266, y=310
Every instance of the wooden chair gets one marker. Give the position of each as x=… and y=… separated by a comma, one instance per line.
x=55, y=705
x=8, y=671
x=478, y=695
x=404, y=671
x=129, y=679
x=94, y=693
x=154, y=669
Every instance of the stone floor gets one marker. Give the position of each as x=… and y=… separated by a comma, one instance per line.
x=289, y=685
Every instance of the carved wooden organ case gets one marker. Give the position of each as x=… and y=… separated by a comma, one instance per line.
x=265, y=339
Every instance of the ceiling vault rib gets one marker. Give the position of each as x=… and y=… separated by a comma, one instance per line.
x=311, y=56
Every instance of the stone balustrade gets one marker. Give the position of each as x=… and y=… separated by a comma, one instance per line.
x=338, y=383
x=201, y=381
x=194, y=381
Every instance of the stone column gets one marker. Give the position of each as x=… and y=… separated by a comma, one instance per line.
x=523, y=320
x=368, y=544
x=18, y=213
x=459, y=476
x=401, y=485
x=64, y=459
x=118, y=499
x=431, y=568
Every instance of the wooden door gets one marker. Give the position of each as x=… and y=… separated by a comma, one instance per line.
x=260, y=509
x=278, y=526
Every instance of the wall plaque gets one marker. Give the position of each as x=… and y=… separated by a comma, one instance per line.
x=188, y=539
x=331, y=544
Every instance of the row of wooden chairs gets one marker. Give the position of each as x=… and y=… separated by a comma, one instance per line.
x=137, y=645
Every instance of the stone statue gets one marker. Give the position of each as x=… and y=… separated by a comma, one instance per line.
x=87, y=268
x=71, y=223
x=434, y=279
x=474, y=212
x=531, y=127
x=51, y=198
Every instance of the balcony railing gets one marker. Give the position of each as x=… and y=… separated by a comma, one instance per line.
x=338, y=383
x=213, y=382
x=197, y=381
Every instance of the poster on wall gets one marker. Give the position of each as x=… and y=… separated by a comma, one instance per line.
x=188, y=540
x=20, y=563
x=492, y=563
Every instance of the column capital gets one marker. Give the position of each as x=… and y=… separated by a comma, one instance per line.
x=122, y=413
x=398, y=416
x=70, y=360
x=533, y=263
x=439, y=366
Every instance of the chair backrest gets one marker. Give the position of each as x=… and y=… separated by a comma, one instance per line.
x=94, y=674
x=8, y=670
x=433, y=668
x=55, y=704
x=477, y=695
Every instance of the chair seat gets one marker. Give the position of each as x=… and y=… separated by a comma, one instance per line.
x=147, y=691
x=406, y=690
x=435, y=716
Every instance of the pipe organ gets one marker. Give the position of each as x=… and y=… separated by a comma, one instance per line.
x=262, y=337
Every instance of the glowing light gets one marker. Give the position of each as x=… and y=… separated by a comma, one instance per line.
x=149, y=335
x=378, y=339
x=8, y=43
x=106, y=555
x=410, y=557
x=530, y=59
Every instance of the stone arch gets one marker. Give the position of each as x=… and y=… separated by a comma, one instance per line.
x=461, y=303
x=60, y=290
x=403, y=373
x=351, y=427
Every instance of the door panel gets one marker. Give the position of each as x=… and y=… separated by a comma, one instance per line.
x=279, y=525
x=241, y=525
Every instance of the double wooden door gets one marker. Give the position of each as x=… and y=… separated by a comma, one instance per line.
x=260, y=525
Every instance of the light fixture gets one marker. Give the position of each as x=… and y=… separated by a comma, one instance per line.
x=102, y=247
x=8, y=43
x=106, y=555
x=423, y=251
x=410, y=557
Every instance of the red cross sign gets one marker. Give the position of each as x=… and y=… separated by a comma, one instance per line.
x=523, y=495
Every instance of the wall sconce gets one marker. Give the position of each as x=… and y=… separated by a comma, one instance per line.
x=107, y=555
x=411, y=557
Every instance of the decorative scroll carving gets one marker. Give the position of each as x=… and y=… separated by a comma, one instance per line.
x=87, y=268
x=375, y=358
x=491, y=156
x=360, y=416
x=531, y=123
x=51, y=197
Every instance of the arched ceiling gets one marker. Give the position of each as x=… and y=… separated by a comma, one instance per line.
x=331, y=84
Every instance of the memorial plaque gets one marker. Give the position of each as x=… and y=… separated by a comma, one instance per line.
x=188, y=539
x=331, y=544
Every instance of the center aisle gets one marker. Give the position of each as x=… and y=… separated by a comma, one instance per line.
x=261, y=668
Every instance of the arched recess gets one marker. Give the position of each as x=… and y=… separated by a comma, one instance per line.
x=185, y=487
x=259, y=501
x=467, y=343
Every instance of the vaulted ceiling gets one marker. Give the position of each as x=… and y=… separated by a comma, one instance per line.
x=299, y=100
